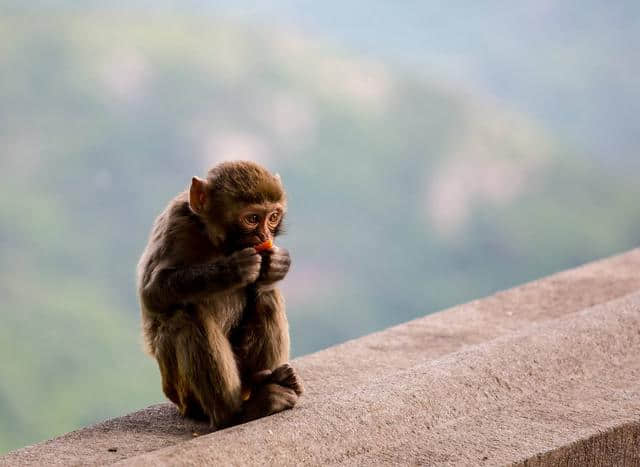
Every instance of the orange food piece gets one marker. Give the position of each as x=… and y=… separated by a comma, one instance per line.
x=264, y=246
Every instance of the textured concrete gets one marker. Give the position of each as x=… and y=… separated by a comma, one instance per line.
x=529, y=375
x=497, y=402
x=619, y=446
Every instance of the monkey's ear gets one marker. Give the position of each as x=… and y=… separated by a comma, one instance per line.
x=197, y=194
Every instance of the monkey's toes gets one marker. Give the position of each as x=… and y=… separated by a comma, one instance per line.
x=286, y=376
x=280, y=398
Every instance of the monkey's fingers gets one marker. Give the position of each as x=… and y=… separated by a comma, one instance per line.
x=249, y=251
x=297, y=386
x=286, y=376
x=253, y=259
x=276, y=274
x=249, y=268
x=279, y=267
x=248, y=254
x=280, y=253
x=280, y=260
x=249, y=265
x=276, y=252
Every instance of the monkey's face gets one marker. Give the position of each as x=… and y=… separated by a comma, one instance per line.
x=257, y=223
x=240, y=203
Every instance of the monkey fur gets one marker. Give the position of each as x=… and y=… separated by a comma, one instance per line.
x=212, y=315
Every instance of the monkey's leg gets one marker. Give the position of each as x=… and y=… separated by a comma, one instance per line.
x=263, y=337
x=262, y=343
x=198, y=368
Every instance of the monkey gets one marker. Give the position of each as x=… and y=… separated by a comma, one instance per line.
x=212, y=314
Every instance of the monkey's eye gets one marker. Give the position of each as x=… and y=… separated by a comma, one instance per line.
x=273, y=218
x=252, y=219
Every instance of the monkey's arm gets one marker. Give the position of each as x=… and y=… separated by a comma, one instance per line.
x=169, y=285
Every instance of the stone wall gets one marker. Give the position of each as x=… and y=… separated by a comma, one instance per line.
x=547, y=373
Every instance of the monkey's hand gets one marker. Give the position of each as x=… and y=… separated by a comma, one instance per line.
x=275, y=265
x=243, y=267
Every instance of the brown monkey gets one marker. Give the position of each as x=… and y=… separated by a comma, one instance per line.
x=211, y=313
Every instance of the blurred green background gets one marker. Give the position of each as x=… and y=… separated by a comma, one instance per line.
x=434, y=152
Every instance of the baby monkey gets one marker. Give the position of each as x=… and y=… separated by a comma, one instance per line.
x=211, y=313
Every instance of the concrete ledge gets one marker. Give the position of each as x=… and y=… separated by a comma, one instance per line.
x=536, y=375
x=618, y=446
x=498, y=402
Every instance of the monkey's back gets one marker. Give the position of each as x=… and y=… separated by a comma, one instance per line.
x=177, y=238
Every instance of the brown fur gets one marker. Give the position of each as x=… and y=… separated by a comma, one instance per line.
x=211, y=315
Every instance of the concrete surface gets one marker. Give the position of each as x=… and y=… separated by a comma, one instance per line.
x=617, y=446
x=536, y=375
x=498, y=402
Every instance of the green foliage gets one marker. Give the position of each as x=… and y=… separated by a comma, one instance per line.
x=105, y=118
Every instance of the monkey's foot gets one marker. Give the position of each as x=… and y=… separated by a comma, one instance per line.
x=267, y=400
x=273, y=391
x=286, y=376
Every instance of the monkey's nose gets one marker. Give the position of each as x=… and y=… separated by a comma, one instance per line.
x=264, y=236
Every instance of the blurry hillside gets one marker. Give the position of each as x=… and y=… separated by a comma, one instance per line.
x=573, y=65
x=407, y=195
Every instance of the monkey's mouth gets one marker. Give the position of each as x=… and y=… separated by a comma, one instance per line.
x=249, y=243
x=256, y=241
